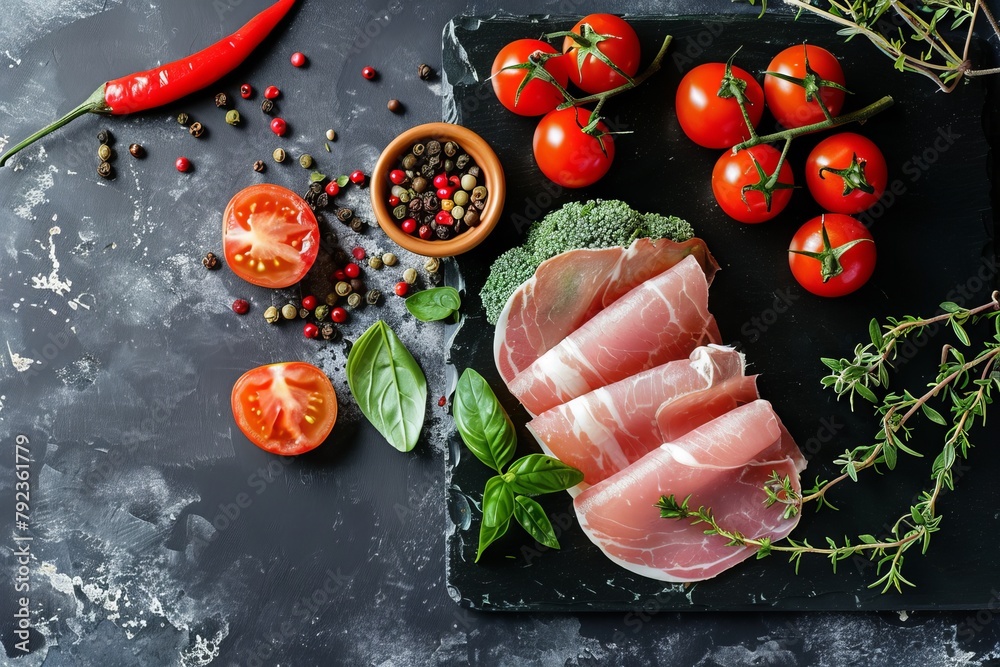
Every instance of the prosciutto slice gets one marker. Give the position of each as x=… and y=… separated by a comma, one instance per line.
x=723, y=465
x=602, y=432
x=661, y=320
x=571, y=288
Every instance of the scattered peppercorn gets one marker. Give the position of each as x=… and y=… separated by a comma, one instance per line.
x=278, y=155
x=246, y=91
x=331, y=135
x=233, y=117
x=309, y=302
x=372, y=297
x=389, y=259
x=424, y=71
x=104, y=152
x=321, y=312
x=271, y=315
x=342, y=288
x=183, y=164
x=331, y=299
x=289, y=311
x=241, y=306
x=354, y=300
x=345, y=214
x=410, y=276
x=259, y=166
x=196, y=129
x=368, y=72
x=352, y=270
x=306, y=161
x=394, y=105
x=105, y=170
x=298, y=59
x=375, y=262
x=358, y=253
x=401, y=289
x=104, y=137
x=137, y=151
x=310, y=330
x=357, y=225
x=338, y=315
x=329, y=332
x=210, y=261
x=443, y=401
x=279, y=126
x=272, y=92
x=222, y=100
x=432, y=265
x=332, y=189
x=267, y=106
x=357, y=177
x=303, y=313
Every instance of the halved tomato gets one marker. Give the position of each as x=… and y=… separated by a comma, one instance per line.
x=287, y=408
x=269, y=235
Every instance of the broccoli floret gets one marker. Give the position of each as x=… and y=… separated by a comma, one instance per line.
x=656, y=226
x=593, y=224
x=508, y=272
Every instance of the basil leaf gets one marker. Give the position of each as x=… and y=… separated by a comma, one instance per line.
x=431, y=305
x=498, y=502
x=482, y=422
x=534, y=520
x=488, y=535
x=343, y=180
x=389, y=386
x=536, y=474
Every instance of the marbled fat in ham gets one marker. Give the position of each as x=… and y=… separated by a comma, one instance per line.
x=723, y=465
x=571, y=288
x=602, y=432
x=660, y=320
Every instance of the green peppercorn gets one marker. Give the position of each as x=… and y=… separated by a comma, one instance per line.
x=342, y=288
x=271, y=315
x=373, y=297
x=389, y=259
x=321, y=312
x=479, y=193
x=420, y=184
x=458, y=212
x=399, y=212
x=418, y=149
x=278, y=155
x=375, y=262
x=468, y=182
x=331, y=299
x=182, y=118
x=267, y=106
x=409, y=161
x=289, y=311
x=410, y=276
x=405, y=196
x=354, y=300
x=104, y=152
x=461, y=198
x=471, y=217
x=432, y=265
x=233, y=117
x=450, y=148
x=329, y=332
x=306, y=161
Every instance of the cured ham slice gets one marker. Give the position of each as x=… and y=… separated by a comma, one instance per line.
x=661, y=320
x=724, y=465
x=571, y=288
x=602, y=432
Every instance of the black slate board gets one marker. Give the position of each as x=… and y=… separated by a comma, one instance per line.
x=935, y=243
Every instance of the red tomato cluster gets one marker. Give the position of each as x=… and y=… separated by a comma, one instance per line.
x=530, y=78
x=832, y=254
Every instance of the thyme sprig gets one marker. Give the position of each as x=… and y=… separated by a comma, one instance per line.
x=910, y=33
x=964, y=383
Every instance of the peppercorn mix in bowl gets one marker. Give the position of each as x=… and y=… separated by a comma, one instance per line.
x=438, y=190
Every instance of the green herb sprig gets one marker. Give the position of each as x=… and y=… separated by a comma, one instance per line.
x=921, y=47
x=489, y=434
x=964, y=383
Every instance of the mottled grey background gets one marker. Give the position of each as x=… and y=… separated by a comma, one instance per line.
x=160, y=537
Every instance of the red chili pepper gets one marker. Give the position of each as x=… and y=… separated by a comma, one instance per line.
x=168, y=83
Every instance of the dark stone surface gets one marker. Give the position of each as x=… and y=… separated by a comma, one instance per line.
x=160, y=537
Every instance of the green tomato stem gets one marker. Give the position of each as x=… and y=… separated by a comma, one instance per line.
x=653, y=68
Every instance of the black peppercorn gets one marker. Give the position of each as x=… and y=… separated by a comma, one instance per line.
x=372, y=297
x=462, y=161
x=322, y=200
x=424, y=71
x=210, y=261
x=104, y=137
x=316, y=187
x=105, y=170
x=410, y=161
x=328, y=331
x=357, y=285
x=357, y=225
x=418, y=149
x=431, y=202
x=395, y=106
x=137, y=151
x=340, y=257
x=222, y=100
x=427, y=171
x=450, y=148
x=267, y=106
x=474, y=170
x=196, y=129
x=433, y=147
x=399, y=212
x=259, y=166
x=345, y=214
x=443, y=232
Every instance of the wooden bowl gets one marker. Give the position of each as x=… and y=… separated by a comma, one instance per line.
x=492, y=177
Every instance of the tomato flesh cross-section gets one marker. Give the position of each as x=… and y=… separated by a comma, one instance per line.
x=270, y=236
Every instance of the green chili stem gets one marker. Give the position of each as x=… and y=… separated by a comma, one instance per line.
x=653, y=68
x=94, y=104
x=859, y=116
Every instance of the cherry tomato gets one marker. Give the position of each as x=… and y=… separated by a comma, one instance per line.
x=846, y=173
x=712, y=121
x=735, y=175
x=286, y=408
x=538, y=96
x=840, y=255
x=610, y=36
x=787, y=100
x=566, y=154
x=269, y=235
